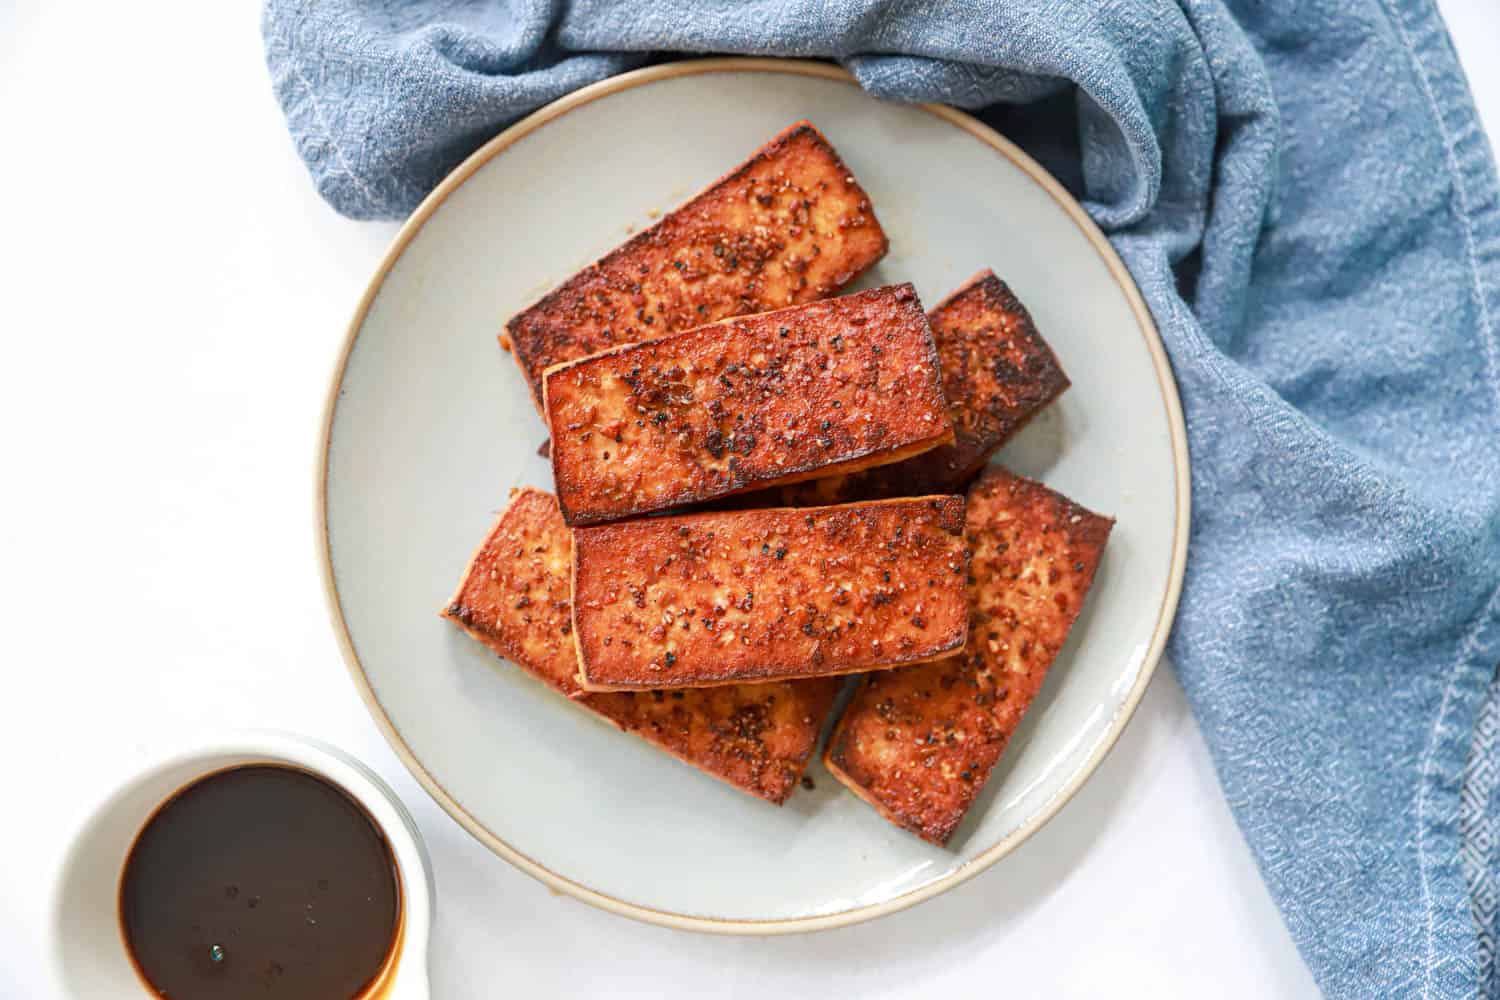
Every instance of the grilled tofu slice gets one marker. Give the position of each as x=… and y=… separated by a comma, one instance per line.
x=515, y=598
x=998, y=373
x=745, y=403
x=919, y=744
x=735, y=596
x=789, y=225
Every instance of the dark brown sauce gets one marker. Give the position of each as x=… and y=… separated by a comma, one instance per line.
x=260, y=881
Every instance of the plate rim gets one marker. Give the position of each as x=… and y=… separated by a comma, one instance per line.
x=792, y=925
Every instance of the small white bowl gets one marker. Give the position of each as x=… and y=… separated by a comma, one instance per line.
x=88, y=949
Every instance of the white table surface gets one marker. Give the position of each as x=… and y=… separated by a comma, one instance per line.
x=173, y=297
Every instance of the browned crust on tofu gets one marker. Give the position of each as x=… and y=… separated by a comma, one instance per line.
x=515, y=598
x=998, y=373
x=789, y=225
x=731, y=596
x=745, y=403
x=919, y=744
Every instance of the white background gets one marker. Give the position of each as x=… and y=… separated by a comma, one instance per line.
x=172, y=297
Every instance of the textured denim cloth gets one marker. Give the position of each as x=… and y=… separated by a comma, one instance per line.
x=1303, y=193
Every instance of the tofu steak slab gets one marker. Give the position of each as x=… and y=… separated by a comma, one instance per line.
x=731, y=597
x=746, y=403
x=789, y=225
x=919, y=744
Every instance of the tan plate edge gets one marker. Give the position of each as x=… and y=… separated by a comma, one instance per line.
x=843, y=918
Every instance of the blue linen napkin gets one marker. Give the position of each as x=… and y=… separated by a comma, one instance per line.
x=1304, y=195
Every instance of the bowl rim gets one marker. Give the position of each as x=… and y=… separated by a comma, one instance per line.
x=272, y=746
x=843, y=918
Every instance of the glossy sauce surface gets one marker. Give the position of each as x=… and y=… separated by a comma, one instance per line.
x=260, y=881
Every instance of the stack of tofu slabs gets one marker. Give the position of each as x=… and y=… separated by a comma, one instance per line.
x=762, y=489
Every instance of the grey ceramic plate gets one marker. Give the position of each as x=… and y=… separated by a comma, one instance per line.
x=429, y=425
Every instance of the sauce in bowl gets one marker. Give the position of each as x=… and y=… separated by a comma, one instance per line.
x=261, y=880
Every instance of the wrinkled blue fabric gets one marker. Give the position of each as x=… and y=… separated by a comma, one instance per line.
x=1303, y=193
